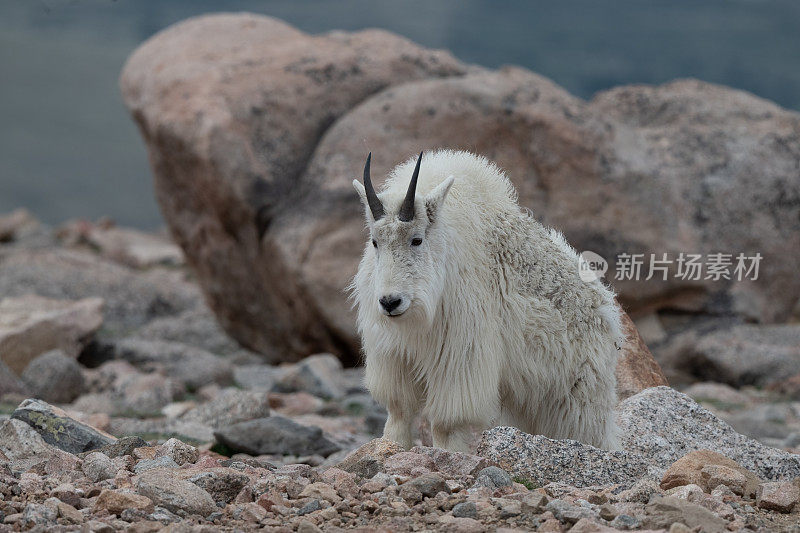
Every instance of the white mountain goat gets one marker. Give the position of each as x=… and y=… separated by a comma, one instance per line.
x=474, y=314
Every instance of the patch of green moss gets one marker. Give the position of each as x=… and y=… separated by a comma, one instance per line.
x=530, y=485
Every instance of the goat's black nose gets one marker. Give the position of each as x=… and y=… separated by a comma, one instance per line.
x=390, y=303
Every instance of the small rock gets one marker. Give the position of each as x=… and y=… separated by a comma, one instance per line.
x=663, y=512
x=32, y=325
x=65, y=511
x=367, y=460
x=149, y=464
x=640, y=492
x=453, y=463
x=409, y=464
x=192, y=366
x=174, y=494
x=781, y=496
x=179, y=452
x=54, y=377
x=222, y=483
x=66, y=493
x=492, y=477
x=15, y=224
x=716, y=475
x=429, y=484
x=719, y=393
x=320, y=375
x=275, y=435
x=307, y=527
x=123, y=446
x=59, y=429
x=257, y=377
x=608, y=512
x=321, y=491
x=98, y=466
x=625, y=522
x=10, y=382
x=115, y=502
x=40, y=515
x=310, y=507
x=566, y=512
x=465, y=510
x=689, y=470
x=230, y=407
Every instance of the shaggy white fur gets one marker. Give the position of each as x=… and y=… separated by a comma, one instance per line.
x=494, y=325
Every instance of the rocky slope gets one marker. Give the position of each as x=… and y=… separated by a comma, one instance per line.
x=135, y=412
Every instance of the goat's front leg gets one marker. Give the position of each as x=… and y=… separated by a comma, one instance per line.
x=460, y=401
x=392, y=385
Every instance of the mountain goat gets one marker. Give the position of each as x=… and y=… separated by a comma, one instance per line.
x=474, y=314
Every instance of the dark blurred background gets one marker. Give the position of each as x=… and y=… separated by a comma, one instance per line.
x=68, y=148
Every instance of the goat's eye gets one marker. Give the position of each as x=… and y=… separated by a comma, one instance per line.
x=416, y=241
x=374, y=243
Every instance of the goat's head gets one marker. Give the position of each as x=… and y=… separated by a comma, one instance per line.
x=405, y=251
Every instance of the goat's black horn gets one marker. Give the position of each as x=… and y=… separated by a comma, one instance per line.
x=407, y=209
x=375, y=204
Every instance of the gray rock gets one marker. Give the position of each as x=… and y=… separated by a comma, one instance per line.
x=195, y=327
x=165, y=516
x=429, y=484
x=31, y=325
x=493, y=478
x=175, y=494
x=542, y=460
x=131, y=298
x=257, y=377
x=310, y=507
x=122, y=390
x=194, y=367
x=625, y=522
x=465, y=510
x=123, y=446
x=665, y=511
x=37, y=514
x=10, y=382
x=663, y=425
x=98, y=466
x=275, y=435
x=54, y=377
x=222, y=483
x=23, y=445
x=738, y=354
x=59, y=429
x=230, y=407
x=454, y=463
x=566, y=512
x=150, y=464
x=178, y=451
x=320, y=375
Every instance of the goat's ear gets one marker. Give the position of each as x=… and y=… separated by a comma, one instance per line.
x=435, y=198
x=362, y=194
